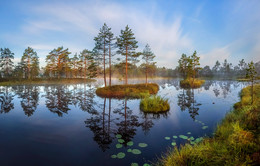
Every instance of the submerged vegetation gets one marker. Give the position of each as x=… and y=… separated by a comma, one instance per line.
x=236, y=140
x=190, y=83
x=131, y=90
x=154, y=104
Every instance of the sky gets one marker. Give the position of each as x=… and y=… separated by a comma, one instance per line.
x=217, y=30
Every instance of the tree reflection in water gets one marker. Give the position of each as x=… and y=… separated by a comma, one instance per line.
x=6, y=99
x=186, y=101
x=58, y=99
x=29, y=98
x=127, y=127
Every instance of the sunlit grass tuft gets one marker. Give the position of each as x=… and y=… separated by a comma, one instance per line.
x=154, y=104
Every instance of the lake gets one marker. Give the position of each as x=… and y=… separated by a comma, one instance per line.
x=70, y=125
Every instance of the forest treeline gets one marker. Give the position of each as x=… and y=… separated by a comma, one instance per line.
x=110, y=57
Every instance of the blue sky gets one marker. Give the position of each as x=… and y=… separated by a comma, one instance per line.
x=217, y=30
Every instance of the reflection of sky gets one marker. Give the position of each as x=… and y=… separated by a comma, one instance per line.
x=45, y=133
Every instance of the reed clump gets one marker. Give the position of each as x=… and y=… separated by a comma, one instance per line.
x=154, y=104
x=190, y=83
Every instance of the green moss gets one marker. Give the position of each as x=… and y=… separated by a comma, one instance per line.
x=236, y=139
x=189, y=83
x=131, y=90
x=154, y=104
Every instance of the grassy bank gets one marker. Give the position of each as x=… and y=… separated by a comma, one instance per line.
x=154, y=104
x=236, y=139
x=189, y=83
x=46, y=81
x=131, y=90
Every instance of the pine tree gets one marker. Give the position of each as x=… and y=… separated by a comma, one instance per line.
x=6, y=63
x=30, y=62
x=148, y=57
x=84, y=61
x=127, y=44
x=251, y=74
x=57, y=62
x=195, y=64
x=74, y=64
x=101, y=43
x=111, y=45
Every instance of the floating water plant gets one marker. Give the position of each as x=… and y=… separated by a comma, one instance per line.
x=189, y=133
x=145, y=164
x=118, y=136
x=136, y=151
x=113, y=156
x=204, y=127
x=130, y=143
x=183, y=136
x=142, y=145
x=120, y=155
x=173, y=143
x=191, y=138
x=154, y=104
x=119, y=146
x=121, y=140
x=175, y=137
x=167, y=138
x=134, y=164
x=129, y=150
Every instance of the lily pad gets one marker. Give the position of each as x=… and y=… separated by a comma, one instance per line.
x=183, y=136
x=118, y=136
x=167, y=138
x=188, y=132
x=145, y=164
x=129, y=150
x=113, y=156
x=142, y=145
x=121, y=140
x=197, y=140
x=130, y=143
x=120, y=155
x=136, y=151
x=173, y=143
x=119, y=146
x=134, y=164
x=204, y=127
x=191, y=138
x=175, y=136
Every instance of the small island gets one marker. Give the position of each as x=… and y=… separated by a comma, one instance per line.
x=154, y=104
x=189, y=67
x=130, y=90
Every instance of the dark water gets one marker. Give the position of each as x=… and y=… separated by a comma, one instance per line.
x=70, y=125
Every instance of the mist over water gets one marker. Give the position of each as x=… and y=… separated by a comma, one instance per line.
x=70, y=125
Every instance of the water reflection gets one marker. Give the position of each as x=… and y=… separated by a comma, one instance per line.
x=186, y=101
x=58, y=99
x=29, y=98
x=6, y=99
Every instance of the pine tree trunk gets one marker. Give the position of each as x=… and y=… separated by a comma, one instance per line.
x=126, y=68
x=109, y=65
x=104, y=65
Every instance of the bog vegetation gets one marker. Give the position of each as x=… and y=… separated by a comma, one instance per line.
x=236, y=139
x=154, y=104
x=130, y=91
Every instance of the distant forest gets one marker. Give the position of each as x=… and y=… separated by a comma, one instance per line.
x=111, y=57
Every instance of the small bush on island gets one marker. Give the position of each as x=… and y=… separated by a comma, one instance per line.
x=130, y=91
x=189, y=83
x=154, y=104
x=235, y=142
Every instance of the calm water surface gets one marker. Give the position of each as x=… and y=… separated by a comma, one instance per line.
x=70, y=125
